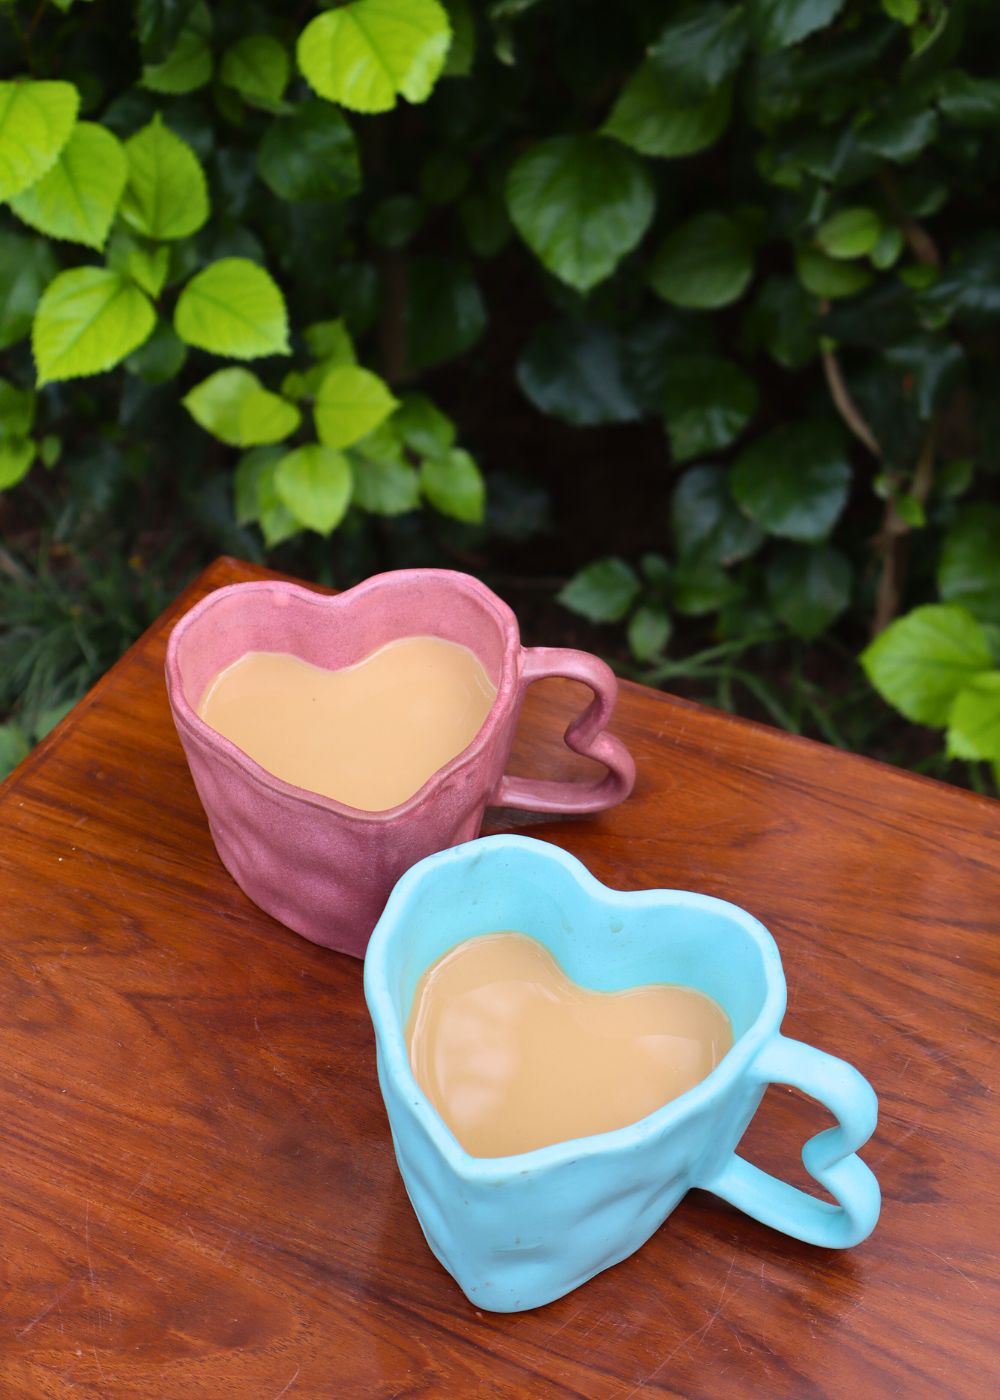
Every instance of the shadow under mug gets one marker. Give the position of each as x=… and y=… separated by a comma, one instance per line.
x=520, y=1231
x=323, y=868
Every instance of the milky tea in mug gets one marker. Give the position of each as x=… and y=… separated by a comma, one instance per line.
x=368, y=735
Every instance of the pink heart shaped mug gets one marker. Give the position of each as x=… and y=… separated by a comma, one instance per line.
x=326, y=869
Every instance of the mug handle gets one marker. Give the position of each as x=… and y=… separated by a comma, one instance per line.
x=585, y=735
x=829, y=1156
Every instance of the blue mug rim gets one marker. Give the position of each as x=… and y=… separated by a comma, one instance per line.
x=390, y=1034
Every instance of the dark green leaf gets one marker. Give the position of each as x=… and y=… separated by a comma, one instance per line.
x=649, y=117
x=575, y=370
x=704, y=264
x=969, y=287
x=707, y=403
x=808, y=587
x=603, y=591
x=247, y=478
x=888, y=248
x=395, y=221
x=922, y=661
x=443, y=176
x=794, y=481
x=700, y=587
x=971, y=101
x=778, y=23
x=310, y=155
x=445, y=314
x=701, y=47
x=952, y=479
x=161, y=358
x=783, y=319
x=652, y=340
x=27, y=266
x=648, y=633
x=902, y=129
x=158, y=24
x=484, y=219
x=974, y=722
x=707, y=526
x=930, y=365
x=969, y=567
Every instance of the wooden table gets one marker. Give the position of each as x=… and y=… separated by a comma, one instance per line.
x=198, y=1196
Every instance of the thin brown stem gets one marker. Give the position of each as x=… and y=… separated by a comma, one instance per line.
x=845, y=404
x=892, y=541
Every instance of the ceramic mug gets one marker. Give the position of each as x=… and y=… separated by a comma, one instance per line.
x=520, y=1231
x=319, y=866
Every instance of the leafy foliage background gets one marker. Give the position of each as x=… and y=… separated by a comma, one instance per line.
x=238, y=243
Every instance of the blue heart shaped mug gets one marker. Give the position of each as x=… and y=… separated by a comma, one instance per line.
x=520, y=1231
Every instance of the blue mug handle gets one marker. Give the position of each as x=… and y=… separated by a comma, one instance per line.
x=829, y=1156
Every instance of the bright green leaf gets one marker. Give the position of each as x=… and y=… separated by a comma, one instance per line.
x=910, y=511
x=35, y=123
x=603, y=591
x=26, y=268
x=580, y=203
x=364, y=54
x=234, y=406
x=649, y=117
x=233, y=307
x=705, y=263
x=922, y=661
x=310, y=155
x=166, y=195
x=188, y=65
x=794, y=481
x=969, y=566
x=808, y=587
x=974, y=721
x=701, y=47
x=422, y=426
x=648, y=632
x=258, y=67
x=850, y=233
x=706, y=525
x=14, y=747
x=314, y=483
x=350, y=402
x=149, y=268
x=78, y=197
x=778, y=23
x=87, y=320
x=16, y=457
x=828, y=278
x=247, y=481
x=385, y=486
x=454, y=486
x=707, y=402
x=277, y=523
x=906, y=11
x=330, y=341
x=577, y=371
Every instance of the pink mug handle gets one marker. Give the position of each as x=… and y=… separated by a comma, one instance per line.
x=585, y=735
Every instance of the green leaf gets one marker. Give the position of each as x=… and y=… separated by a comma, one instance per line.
x=258, y=68
x=888, y=248
x=330, y=341
x=462, y=51
x=50, y=450
x=701, y=47
x=922, y=661
x=445, y=313
x=906, y=11
x=277, y=523
x=422, y=426
x=603, y=591
x=188, y=65
x=78, y=197
x=14, y=747
x=315, y=484
x=971, y=101
x=704, y=264
x=576, y=371
x=350, y=402
x=910, y=511
x=794, y=481
x=808, y=587
x=825, y=277
x=158, y=23
x=649, y=117
x=310, y=155
x=974, y=722
x=395, y=221
x=234, y=406
x=580, y=203
x=778, y=23
x=233, y=307
x=160, y=359
x=166, y=196
x=969, y=566
x=453, y=485
x=929, y=365
x=699, y=587
x=705, y=523
x=707, y=403
x=247, y=480
x=851, y=233
x=148, y=267
x=385, y=486
x=364, y=54
x=953, y=478
x=35, y=123
x=648, y=632
x=485, y=223
x=87, y=320
x=16, y=457
x=17, y=410
x=969, y=287
x=444, y=176
x=26, y=268
x=904, y=127
x=784, y=320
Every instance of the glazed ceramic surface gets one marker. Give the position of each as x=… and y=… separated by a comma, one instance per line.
x=321, y=867
x=520, y=1231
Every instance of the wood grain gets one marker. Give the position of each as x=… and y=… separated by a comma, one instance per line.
x=198, y=1194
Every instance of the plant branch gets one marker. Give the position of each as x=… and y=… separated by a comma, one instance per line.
x=892, y=540
x=845, y=405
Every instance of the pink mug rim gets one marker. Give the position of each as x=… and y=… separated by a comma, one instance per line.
x=507, y=685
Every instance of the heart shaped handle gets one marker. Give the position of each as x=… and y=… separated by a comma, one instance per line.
x=829, y=1156
x=585, y=735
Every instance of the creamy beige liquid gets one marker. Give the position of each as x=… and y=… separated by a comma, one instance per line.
x=369, y=735
x=514, y=1055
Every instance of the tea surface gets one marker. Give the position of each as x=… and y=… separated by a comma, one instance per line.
x=369, y=735
x=514, y=1055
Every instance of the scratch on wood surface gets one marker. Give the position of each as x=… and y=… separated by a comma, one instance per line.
x=970, y=1281
x=288, y=1384
x=47, y=1309
x=701, y=1332
x=90, y=1257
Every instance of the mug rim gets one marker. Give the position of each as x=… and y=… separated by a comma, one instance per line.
x=185, y=714
x=390, y=1034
